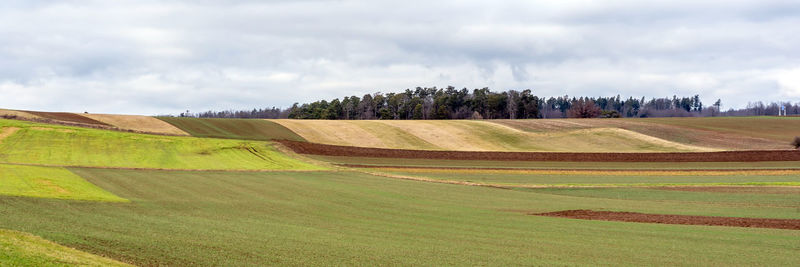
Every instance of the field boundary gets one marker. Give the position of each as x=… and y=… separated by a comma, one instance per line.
x=619, y=216
x=155, y=169
x=732, y=170
x=721, y=156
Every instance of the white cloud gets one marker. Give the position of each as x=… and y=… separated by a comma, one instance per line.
x=154, y=57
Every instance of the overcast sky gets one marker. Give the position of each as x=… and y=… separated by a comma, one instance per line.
x=163, y=57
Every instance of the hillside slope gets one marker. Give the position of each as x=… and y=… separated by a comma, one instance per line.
x=250, y=129
x=136, y=123
x=463, y=135
x=726, y=133
x=44, y=144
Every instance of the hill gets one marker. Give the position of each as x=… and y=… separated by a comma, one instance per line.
x=467, y=135
x=44, y=144
x=135, y=123
x=251, y=129
x=159, y=200
x=558, y=135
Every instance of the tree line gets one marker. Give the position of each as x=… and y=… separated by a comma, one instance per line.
x=426, y=103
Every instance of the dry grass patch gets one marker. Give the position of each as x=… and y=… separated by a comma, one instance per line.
x=7, y=131
x=137, y=123
x=17, y=114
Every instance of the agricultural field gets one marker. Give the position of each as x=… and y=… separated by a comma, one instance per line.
x=233, y=128
x=54, y=145
x=567, y=135
x=724, y=133
x=230, y=196
x=351, y=218
x=22, y=249
x=477, y=136
x=137, y=123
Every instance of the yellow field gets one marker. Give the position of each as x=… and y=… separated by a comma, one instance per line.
x=723, y=133
x=137, y=123
x=19, y=114
x=23, y=249
x=464, y=135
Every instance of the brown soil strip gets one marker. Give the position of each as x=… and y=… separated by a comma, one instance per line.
x=792, y=224
x=724, y=156
x=366, y=166
x=65, y=116
x=781, y=190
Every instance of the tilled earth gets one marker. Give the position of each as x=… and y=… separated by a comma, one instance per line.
x=792, y=224
x=724, y=156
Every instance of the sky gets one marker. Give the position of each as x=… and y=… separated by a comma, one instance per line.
x=165, y=57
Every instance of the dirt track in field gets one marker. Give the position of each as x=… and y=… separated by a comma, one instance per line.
x=791, y=224
x=724, y=156
x=736, y=189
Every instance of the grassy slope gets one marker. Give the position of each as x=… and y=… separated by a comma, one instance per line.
x=782, y=129
x=789, y=198
x=728, y=133
x=56, y=145
x=137, y=123
x=49, y=182
x=21, y=249
x=250, y=129
x=343, y=218
x=474, y=136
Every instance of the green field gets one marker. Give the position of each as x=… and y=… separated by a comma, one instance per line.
x=600, y=180
x=346, y=218
x=248, y=129
x=765, y=197
x=49, y=182
x=238, y=200
x=55, y=145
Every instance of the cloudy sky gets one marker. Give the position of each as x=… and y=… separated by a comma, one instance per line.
x=162, y=57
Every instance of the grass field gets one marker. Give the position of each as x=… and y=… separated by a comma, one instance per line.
x=249, y=129
x=327, y=215
x=782, y=129
x=49, y=182
x=600, y=178
x=345, y=218
x=476, y=136
x=21, y=249
x=35, y=143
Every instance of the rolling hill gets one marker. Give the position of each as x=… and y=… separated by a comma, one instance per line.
x=241, y=199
